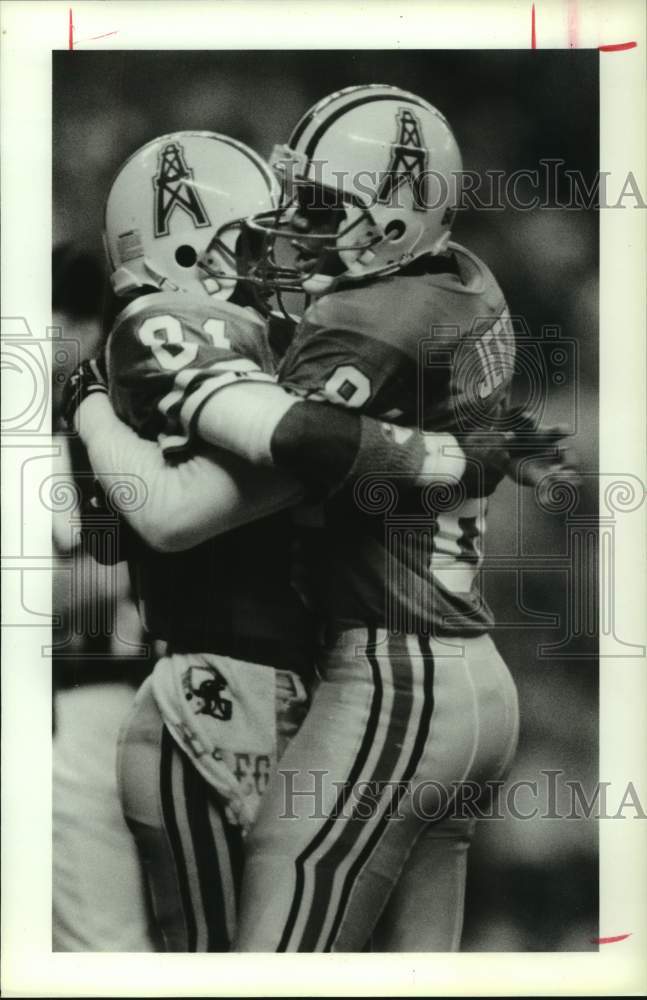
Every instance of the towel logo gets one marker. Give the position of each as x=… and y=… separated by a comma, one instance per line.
x=203, y=685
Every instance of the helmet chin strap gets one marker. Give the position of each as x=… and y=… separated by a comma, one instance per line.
x=318, y=284
x=330, y=267
x=139, y=274
x=217, y=268
x=217, y=287
x=368, y=263
x=350, y=262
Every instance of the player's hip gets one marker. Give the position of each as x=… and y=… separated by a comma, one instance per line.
x=398, y=724
x=230, y=719
x=426, y=709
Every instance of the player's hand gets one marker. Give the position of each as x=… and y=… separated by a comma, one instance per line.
x=541, y=454
x=88, y=378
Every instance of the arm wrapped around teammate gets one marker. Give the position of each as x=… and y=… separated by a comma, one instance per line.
x=329, y=447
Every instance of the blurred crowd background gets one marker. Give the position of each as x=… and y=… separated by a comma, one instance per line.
x=533, y=883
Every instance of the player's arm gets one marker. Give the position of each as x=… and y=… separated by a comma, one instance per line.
x=321, y=422
x=221, y=399
x=181, y=504
x=154, y=342
x=329, y=447
x=333, y=360
x=326, y=446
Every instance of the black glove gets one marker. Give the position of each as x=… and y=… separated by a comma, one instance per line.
x=83, y=381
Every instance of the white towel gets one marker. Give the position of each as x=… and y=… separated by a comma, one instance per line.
x=232, y=718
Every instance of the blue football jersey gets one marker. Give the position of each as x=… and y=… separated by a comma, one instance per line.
x=160, y=337
x=428, y=349
x=234, y=594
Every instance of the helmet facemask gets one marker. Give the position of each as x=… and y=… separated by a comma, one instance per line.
x=344, y=238
x=315, y=237
x=229, y=261
x=217, y=264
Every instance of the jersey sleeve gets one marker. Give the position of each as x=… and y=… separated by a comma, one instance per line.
x=334, y=357
x=161, y=350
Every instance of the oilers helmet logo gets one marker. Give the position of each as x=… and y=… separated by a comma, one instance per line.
x=174, y=188
x=408, y=164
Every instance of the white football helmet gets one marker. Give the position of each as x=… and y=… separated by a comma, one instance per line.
x=387, y=162
x=172, y=217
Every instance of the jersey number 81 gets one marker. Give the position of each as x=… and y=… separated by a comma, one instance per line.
x=164, y=335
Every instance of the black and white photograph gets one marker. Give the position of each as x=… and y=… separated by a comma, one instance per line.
x=335, y=431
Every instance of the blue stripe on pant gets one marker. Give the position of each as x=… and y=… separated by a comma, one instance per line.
x=393, y=720
x=192, y=857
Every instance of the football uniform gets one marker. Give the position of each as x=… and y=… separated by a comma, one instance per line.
x=160, y=335
x=209, y=722
x=413, y=697
x=429, y=350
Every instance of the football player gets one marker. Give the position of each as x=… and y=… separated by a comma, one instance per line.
x=414, y=700
x=210, y=721
x=207, y=724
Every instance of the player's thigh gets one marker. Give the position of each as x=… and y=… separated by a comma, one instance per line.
x=496, y=695
x=97, y=889
x=306, y=808
x=474, y=726
x=327, y=805
x=191, y=856
x=414, y=717
x=467, y=740
x=425, y=910
x=472, y=742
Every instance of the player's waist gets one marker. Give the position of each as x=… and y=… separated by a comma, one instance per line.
x=218, y=703
x=280, y=653
x=287, y=683
x=402, y=608
x=388, y=657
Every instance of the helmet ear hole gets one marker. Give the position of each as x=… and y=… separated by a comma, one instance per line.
x=395, y=230
x=185, y=255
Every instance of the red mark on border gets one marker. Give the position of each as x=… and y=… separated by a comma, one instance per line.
x=621, y=47
x=572, y=31
x=92, y=38
x=611, y=940
x=572, y=24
